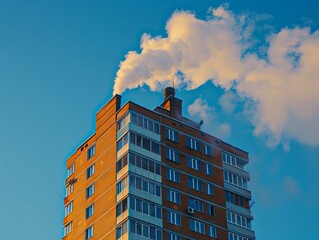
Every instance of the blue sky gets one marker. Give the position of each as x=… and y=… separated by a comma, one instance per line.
x=58, y=62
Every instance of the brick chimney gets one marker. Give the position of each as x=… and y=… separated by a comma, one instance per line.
x=171, y=103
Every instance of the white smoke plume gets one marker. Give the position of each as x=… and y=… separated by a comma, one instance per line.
x=283, y=85
x=202, y=111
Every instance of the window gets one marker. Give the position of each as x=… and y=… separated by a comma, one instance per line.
x=209, y=169
x=68, y=209
x=171, y=135
x=195, y=183
x=194, y=163
x=231, y=160
x=69, y=189
x=172, y=155
x=148, y=165
x=234, y=179
x=121, y=230
x=91, y=152
x=121, y=207
x=89, y=211
x=232, y=236
x=172, y=175
x=192, y=144
x=145, y=185
x=90, y=171
x=67, y=228
x=237, y=199
x=197, y=226
x=210, y=210
x=70, y=170
x=89, y=191
x=121, y=185
x=89, y=232
x=145, y=207
x=121, y=163
x=144, y=142
x=173, y=196
x=145, y=123
x=212, y=231
x=174, y=218
x=208, y=150
x=122, y=142
x=210, y=189
x=173, y=237
x=238, y=220
x=145, y=230
x=196, y=204
x=122, y=122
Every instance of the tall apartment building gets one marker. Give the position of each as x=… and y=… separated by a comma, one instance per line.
x=155, y=175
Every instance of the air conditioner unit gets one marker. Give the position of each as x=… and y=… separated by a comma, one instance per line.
x=190, y=210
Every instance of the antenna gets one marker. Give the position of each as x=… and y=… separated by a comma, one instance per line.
x=173, y=79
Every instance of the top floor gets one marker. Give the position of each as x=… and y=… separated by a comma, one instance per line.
x=167, y=115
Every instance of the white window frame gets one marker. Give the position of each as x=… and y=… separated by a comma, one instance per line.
x=193, y=144
x=238, y=220
x=172, y=155
x=194, y=163
x=196, y=184
x=67, y=228
x=233, y=236
x=207, y=167
x=171, y=135
x=197, y=226
x=208, y=150
x=235, y=180
x=68, y=209
x=172, y=236
x=172, y=175
x=174, y=218
x=173, y=196
x=69, y=189
x=210, y=189
x=196, y=204
x=70, y=170
x=212, y=231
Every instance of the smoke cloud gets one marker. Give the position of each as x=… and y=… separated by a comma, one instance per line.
x=281, y=87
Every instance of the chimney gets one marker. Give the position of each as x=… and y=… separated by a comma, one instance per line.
x=172, y=106
x=171, y=103
x=169, y=91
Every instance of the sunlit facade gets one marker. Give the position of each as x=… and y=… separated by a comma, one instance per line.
x=153, y=174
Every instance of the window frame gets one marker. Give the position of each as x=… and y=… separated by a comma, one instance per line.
x=90, y=171
x=90, y=190
x=89, y=211
x=68, y=208
x=172, y=155
x=89, y=232
x=172, y=175
x=67, y=228
x=173, y=196
x=91, y=151
x=174, y=218
x=70, y=170
x=171, y=135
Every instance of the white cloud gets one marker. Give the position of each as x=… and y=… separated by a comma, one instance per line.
x=200, y=108
x=283, y=86
x=228, y=101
